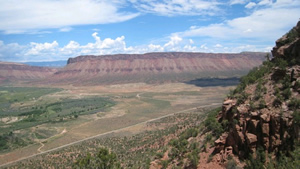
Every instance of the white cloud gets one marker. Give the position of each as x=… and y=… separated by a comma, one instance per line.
x=218, y=46
x=38, y=48
x=174, y=40
x=177, y=7
x=250, y=5
x=234, y=2
x=11, y=52
x=19, y=16
x=191, y=41
x=65, y=29
x=265, y=2
x=267, y=24
x=155, y=48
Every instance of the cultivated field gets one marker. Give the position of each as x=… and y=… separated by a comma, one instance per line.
x=35, y=120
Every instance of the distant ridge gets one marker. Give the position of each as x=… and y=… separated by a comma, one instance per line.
x=154, y=67
x=14, y=73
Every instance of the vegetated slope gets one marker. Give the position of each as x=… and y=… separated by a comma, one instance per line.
x=154, y=67
x=263, y=111
x=16, y=72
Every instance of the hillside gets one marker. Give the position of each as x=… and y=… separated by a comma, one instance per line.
x=263, y=111
x=16, y=72
x=258, y=124
x=154, y=67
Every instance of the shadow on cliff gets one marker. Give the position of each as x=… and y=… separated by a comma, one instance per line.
x=208, y=82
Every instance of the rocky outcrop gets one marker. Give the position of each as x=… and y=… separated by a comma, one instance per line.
x=265, y=128
x=287, y=47
x=271, y=126
x=156, y=67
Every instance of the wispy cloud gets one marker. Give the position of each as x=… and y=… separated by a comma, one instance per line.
x=263, y=24
x=250, y=5
x=19, y=16
x=177, y=7
x=65, y=29
x=234, y=2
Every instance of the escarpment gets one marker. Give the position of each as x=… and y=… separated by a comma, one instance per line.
x=154, y=67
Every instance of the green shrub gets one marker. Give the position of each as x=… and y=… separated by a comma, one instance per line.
x=277, y=102
x=294, y=103
x=231, y=164
x=159, y=155
x=286, y=93
x=262, y=104
x=103, y=159
x=191, y=132
x=164, y=164
x=297, y=85
x=258, y=162
x=194, y=159
x=281, y=63
x=296, y=116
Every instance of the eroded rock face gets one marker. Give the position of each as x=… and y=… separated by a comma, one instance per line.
x=172, y=66
x=266, y=129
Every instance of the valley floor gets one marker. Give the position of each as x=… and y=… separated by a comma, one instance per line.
x=135, y=105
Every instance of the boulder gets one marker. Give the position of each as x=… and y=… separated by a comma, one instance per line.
x=251, y=138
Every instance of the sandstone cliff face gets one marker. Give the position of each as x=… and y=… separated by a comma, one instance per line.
x=262, y=115
x=155, y=66
x=12, y=72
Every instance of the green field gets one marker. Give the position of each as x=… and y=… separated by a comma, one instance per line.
x=24, y=108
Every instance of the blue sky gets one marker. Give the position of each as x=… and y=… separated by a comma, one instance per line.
x=48, y=30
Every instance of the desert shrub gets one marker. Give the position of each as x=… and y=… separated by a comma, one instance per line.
x=262, y=104
x=193, y=157
x=277, y=102
x=258, y=162
x=297, y=85
x=208, y=138
x=159, y=155
x=191, y=132
x=213, y=125
x=281, y=63
x=296, y=116
x=3, y=143
x=294, y=103
x=103, y=159
x=164, y=164
x=231, y=164
x=253, y=75
x=291, y=36
x=252, y=106
x=194, y=146
x=241, y=97
x=286, y=93
x=258, y=91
